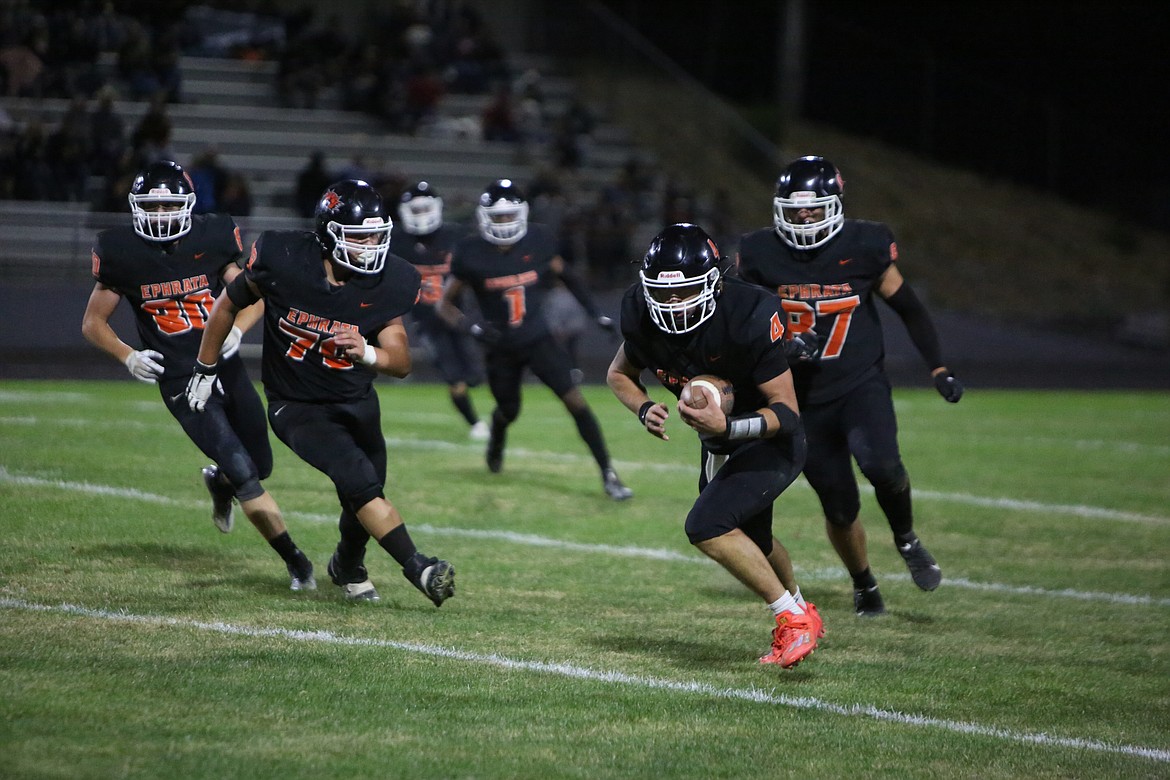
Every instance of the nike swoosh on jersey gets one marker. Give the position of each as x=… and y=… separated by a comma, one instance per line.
x=199, y=255
x=365, y=305
x=846, y=261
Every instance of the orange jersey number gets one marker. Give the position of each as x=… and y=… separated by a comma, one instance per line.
x=802, y=316
x=179, y=315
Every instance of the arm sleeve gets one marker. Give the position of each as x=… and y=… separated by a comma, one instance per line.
x=918, y=323
x=240, y=293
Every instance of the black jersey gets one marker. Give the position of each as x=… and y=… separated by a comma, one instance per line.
x=509, y=286
x=742, y=343
x=829, y=289
x=302, y=310
x=171, y=287
x=431, y=256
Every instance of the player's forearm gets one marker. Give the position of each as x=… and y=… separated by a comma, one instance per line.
x=215, y=332
x=101, y=335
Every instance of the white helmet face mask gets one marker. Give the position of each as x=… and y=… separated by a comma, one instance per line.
x=679, y=304
x=361, y=257
x=421, y=215
x=504, y=222
x=813, y=234
x=166, y=224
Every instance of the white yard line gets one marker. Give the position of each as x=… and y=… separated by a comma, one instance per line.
x=754, y=695
x=434, y=445
x=533, y=540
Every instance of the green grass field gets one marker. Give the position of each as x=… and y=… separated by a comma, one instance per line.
x=587, y=638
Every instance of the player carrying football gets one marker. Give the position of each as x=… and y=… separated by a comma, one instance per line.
x=826, y=270
x=683, y=319
x=333, y=306
x=170, y=264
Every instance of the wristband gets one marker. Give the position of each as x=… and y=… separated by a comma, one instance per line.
x=203, y=368
x=745, y=426
x=788, y=419
x=369, y=356
x=644, y=410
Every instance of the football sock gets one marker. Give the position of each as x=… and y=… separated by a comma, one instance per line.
x=284, y=547
x=799, y=598
x=351, y=549
x=864, y=580
x=591, y=432
x=463, y=404
x=399, y=544
x=786, y=603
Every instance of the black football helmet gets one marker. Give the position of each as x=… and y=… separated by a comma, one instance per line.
x=162, y=199
x=502, y=213
x=420, y=210
x=681, y=278
x=350, y=210
x=808, y=183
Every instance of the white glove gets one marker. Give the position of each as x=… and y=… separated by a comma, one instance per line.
x=144, y=366
x=200, y=386
x=231, y=345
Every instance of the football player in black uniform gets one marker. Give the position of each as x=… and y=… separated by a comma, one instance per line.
x=425, y=240
x=170, y=264
x=826, y=270
x=510, y=266
x=333, y=306
x=683, y=319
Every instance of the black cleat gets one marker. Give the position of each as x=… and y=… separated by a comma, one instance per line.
x=923, y=568
x=354, y=583
x=300, y=574
x=221, y=499
x=436, y=580
x=867, y=602
x=495, y=454
x=614, y=487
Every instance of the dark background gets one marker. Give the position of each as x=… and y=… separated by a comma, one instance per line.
x=1070, y=97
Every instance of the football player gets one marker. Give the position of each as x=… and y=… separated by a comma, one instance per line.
x=334, y=300
x=681, y=320
x=170, y=263
x=826, y=271
x=425, y=240
x=509, y=266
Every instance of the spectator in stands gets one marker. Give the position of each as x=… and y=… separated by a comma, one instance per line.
x=423, y=89
x=236, y=198
x=152, y=137
x=21, y=66
x=135, y=63
x=311, y=182
x=107, y=134
x=68, y=152
x=475, y=60
x=210, y=179
x=33, y=172
x=499, y=117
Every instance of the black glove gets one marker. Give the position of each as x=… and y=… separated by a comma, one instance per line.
x=803, y=347
x=606, y=323
x=484, y=333
x=948, y=387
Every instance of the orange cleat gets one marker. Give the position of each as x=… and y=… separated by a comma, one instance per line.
x=793, y=639
x=810, y=609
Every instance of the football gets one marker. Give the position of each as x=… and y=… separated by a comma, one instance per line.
x=705, y=389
